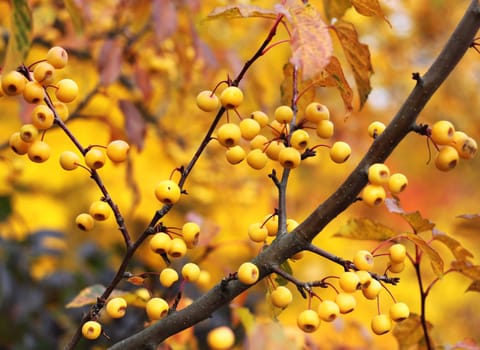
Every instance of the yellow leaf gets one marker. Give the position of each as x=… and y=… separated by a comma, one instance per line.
x=369, y=8
x=87, y=296
x=414, y=219
x=311, y=41
x=75, y=14
x=358, y=56
x=467, y=269
x=246, y=318
x=20, y=35
x=409, y=332
x=457, y=249
x=365, y=229
x=241, y=11
x=336, y=8
x=435, y=258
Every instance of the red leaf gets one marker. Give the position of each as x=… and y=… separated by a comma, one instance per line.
x=110, y=61
x=135, y=127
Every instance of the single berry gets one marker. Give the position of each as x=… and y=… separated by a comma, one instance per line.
x=365, y=278
x=95, y=158
x=221, y=338
x=378, y=174
x=371, y=291
x=229, y=134
x=281, y=297
x=57, y=56
x=167, y=192
x=69, y=160
x=257, y=232
x=260, y=117
x=117, y=151
x=328, y=310
x=42, y=117
x=156, y=308
x=346, y=302
x=190, y=234
x=349, y=281
x=249, y=128
x=397, y=253
x=308, y=321
x=315, y=112
x=231, y=97
x=28, y=133
x=39, y=151
x=17, y=145
x=257, y=159
x=325, y=129
x=363, y=260
x=99, y=210
x=381, y=324
x=399, y=312
x=61, y=109
x=67, y=90
x=467, y=148
x=91, y=330
x=271, y=224
x=168, y=277
x=203, y=281
x=340, y=152
x=248, y=273
x=283, y=114
x=44, y=73
x=447, y=158
x=207, y=101
x=274, y=148
x=84, y=222
x=190, y=272
x=13, y=83
x=299, y=139
x=33, y=92
x=375, y=129
x=397, y=183
x=116, y=307
x=160, y=243
x=442, y=132
x=235, y=154
x=289, y=157
x=291, y=225
x=178, y=248
x=373, y=195
x=396, y=267
x=259, y=142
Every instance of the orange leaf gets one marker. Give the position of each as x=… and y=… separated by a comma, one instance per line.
x=409, y=332
x=311, y=41
x=358, y=56
x=369, y=8
x=87, y=296
x=474, y=286
x=136, y=280
x=336, y=8
x=241, y=11
x=457, y=249
x=435, y=258
x=467, y=269
x=365, y=229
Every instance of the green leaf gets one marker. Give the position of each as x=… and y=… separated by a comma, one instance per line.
x=435, y=258
x=474, y=286
x=458, y=250
x=20, y=35
x=409, y=332
x=365, y=229
x=5, y=207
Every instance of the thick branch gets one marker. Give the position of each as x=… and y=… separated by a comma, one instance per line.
x=288, y=245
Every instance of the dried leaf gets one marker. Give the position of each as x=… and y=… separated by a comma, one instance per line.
x=358, y=56
x=87, y=296
x=457, y=249
x=474, y=286
x=336, y=8
x=414, y=219
x=241, y=11
x=20, y=37
x=435, y=258
x=109, y=60
x=311, y=41
x=409, y=332
x=134, y=123
x=136, y=280
x=164, y=18
x=365, y=229
x=369, y=8
x=466, y=268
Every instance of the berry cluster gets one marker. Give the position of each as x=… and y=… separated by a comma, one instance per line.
x=374, y=193
x=452, y=145
x=257, y=139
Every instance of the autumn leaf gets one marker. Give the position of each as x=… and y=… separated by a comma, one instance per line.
x=365, y=229
x=286, y=88
x=409, y=332
x=136, y=280
x=336, y=8
x=457, y=249
x=358, y=56
x=110, y=60
x=20, y=37
x=469, y=216
x=311, y=41
x=467, y=269
x=134, y=123
x=435, y=258
x=369, y=8
x=165, y=19
x=75, y=12
x=241, y=11
x=474, y=286
x=285, y=266
x=414, y=219
x=87, y=296
x=247, y=319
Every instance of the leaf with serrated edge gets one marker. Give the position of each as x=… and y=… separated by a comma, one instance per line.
x=414, y=219
x=358, y=56
x=369, y=8
x=457, y=249
x=365, y=229
x=311, y=41
x=474, y=286
x=409, y=332
x=241, y=11
x=435, y=258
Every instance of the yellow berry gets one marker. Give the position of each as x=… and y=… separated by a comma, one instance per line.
x=442, y=132
x=396, y=267
x=248, y=273
x=291, y=225
x=399, y=312
x=328, y=310
x=156, y=308
x=28, y=133
x=231, y=97
x=257, y=232
x=259, y=142
x=207, y=101
x=61, y=109
x=84, y=222
x=346, y=302
x=117, y=151
x=308, y=321
x=299, y=139
x=397, y=183
x=340, y=152
x=281, y=297
x=364, y=277
x=373, y=195
x=274, y=148
x=116, y=307
x=325, y=129
x=57, y=56
x=69, y=160
x=67, y=90
x=375, y=129
x=91, y=330
x=371, y=291
x=271, y=224
x=178, y=248
x=249, y=128
x=260, y=117
x=221, y=338
x=316, y=112
x=13, y=83
x=190, y=272
x=397, y=253
x=283, y=114
x=95, y=158
x=190, y=234
x=17, y=145
x=99, y=210
x=229, y=134
x=235, y=154
x=44, y=73
x=39, y=151
x=257, y=159
x=203, y=280
x=289, y=157
x=160, y=243
x=168, y=277
x=381, y=324
x=33, y=92
x=42, y=117
x=363, y=260
x=168, y=192
x=378, y=174
x=447, y=158
x=349, y=281
x=466, y=147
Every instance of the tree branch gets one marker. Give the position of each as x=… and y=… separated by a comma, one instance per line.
x=287, y=245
